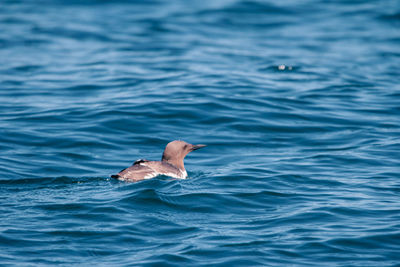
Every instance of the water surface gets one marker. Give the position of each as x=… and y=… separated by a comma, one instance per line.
x=298, y=102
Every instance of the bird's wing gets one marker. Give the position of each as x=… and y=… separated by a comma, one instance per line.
x=140, y=161
x=136, y=172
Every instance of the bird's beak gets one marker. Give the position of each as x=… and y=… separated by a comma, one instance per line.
x=195, y=147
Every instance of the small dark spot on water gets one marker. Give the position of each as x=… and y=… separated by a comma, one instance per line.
x=280, y=68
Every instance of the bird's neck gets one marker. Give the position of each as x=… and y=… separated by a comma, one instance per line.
x=177, y=163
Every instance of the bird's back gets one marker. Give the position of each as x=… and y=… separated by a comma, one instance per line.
x=144, y=169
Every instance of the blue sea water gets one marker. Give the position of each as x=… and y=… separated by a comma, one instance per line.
x=298, y=102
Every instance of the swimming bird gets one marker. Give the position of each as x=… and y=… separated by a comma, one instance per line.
x=171, y=164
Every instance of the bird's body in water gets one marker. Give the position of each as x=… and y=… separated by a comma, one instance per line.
x=171, y=164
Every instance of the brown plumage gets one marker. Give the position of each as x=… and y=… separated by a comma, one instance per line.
x=171, y=164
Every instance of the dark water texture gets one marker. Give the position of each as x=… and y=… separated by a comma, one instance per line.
x=299, y=102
